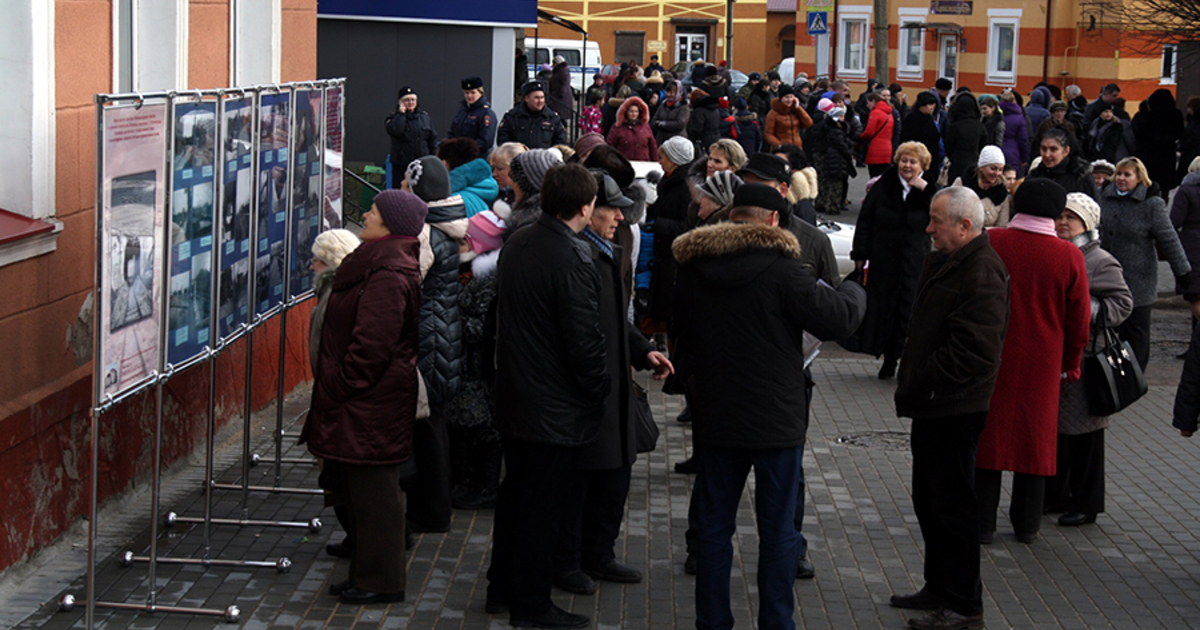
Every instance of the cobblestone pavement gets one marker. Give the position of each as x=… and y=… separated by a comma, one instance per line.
x=1138, y=567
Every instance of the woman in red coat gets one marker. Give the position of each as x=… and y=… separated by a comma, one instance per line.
x=631, y=133
x=365, y=392
x=878, y=135
x=1050, y=311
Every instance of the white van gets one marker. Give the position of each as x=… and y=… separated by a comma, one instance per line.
x=584, y=63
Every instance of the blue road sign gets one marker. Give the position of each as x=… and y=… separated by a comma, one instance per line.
x=818, y=23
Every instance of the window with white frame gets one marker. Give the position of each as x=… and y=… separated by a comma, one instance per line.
x=1004, y=29
x=911, y=51
x=1170, y=62
x=854, y=27
x=150, y=45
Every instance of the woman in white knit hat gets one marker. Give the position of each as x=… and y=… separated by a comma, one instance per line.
x=986, y=178
x=1077, y=490
x=329, y=248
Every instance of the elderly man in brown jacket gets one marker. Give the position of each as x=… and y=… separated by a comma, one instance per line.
x=947, y=375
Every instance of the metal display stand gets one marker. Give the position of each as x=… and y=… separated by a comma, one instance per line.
x=104, y=402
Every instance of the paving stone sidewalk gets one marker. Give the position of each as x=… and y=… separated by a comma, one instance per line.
x=1138, y=567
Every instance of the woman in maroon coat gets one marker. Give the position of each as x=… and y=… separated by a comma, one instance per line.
x=1049, y=316
x=631, y=134
x=365, y=391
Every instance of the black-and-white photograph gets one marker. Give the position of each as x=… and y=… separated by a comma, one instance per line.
x=234, y=295
x=273, y=126
x=238, y=122
x=179, y=312
x=200, y=218
x=200, y=308
x=131, y=270
x=194, y=136
x=235, y=214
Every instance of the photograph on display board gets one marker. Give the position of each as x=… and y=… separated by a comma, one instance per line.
x=133, y=203
x=332, y=159
x=233, y=284
x=272, y=225
x=193, y=183
x=306, y=187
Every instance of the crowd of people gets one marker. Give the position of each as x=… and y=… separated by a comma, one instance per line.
x=476, y=349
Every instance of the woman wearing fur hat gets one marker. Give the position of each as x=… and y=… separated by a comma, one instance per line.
x=1135, y=227
x=631, y=135
x=475, y=118
x=1077, y=489
x=365, y=391
x=1049, y=311
x=716, y=197
x=986, y=178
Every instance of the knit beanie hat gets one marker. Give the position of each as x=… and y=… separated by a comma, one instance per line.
x=1039, y=197
x=587, y=142
x=991, y=154
x=740, y=104
x=485, y=231
x=331, y=246
x=528, y=170
x=785, y=89
x=428, y=178
x=721, y=187
x=679, y=150
x=825, y=105
x=1103, y=166
x=1085, y=208
x=837, y=112
x=403, y=212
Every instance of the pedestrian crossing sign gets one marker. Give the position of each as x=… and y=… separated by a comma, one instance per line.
x=818, y=23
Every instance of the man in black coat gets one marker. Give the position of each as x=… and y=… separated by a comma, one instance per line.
x=946, y=379
x=552, y=381
x=593, y=514
x=411, y=131
x=744, y=302
x=530, y=122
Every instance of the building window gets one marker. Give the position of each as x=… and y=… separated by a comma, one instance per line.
x=1170, y=60
x=1004, y=28
x=911, y=54
x=854, y=41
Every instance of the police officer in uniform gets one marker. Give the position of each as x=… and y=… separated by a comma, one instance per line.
x=475, y=119
x=530, y=122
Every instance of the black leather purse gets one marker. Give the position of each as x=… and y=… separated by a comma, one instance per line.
x=645, y=428
x=1112, y=376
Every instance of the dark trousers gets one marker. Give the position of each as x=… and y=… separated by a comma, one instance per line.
x=1136, y=330
x=1025, y=511
x=875, y=170
x=591, y=519
x=540, y=479
x=429, y=503
x=719, y=485
x=943, y=491
x=376, y=517
x=1079, y=484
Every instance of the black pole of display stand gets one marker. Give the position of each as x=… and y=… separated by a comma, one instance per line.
x=283, y=317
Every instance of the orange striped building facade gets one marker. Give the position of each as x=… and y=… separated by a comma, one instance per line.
x=679, y=30
x=987, y=46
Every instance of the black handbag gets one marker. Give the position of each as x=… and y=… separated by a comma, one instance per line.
x=645, y=428
x=1112, y=376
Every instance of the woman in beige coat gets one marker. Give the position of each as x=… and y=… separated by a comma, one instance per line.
x=1077, y=489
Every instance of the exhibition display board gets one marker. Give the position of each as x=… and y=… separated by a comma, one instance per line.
x=208, y=203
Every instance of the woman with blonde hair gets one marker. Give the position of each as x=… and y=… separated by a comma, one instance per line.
x=725, y=155
x=500, y=159
x=1134, y=227
x=890, y=246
